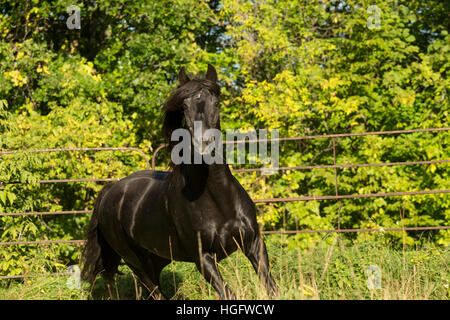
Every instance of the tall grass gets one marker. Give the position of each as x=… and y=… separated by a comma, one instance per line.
x=321, y=272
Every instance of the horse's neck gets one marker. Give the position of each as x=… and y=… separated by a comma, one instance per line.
x=200, y=178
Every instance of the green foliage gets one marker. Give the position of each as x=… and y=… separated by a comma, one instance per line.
x=314, y=67
x=303, y=67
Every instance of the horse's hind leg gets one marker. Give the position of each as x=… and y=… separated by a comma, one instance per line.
x=137, y=259
x=158, y=263
x=149, y=270
x=146, y=267
x=153, y=266
x=110, y=261
x=147, y=280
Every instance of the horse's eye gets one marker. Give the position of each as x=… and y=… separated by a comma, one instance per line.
x=216, y=104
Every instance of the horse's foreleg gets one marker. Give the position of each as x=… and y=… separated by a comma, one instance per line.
x=207, y=266
x=257, y=254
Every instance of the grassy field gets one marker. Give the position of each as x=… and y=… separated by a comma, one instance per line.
x=323, y=272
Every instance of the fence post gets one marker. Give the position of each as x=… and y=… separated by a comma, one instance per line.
x=337, y=193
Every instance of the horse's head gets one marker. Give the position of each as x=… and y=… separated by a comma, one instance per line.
x=196, y=102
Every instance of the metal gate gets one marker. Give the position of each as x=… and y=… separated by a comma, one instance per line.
x=336, y=196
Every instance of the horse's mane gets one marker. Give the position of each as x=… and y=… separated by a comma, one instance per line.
x=173, y=107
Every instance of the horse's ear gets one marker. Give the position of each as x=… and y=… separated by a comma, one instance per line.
x=211, y=74
x=182, y=77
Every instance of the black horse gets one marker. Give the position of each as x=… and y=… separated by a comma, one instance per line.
x=196, y=213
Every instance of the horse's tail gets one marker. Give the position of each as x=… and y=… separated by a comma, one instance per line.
x=97, y=256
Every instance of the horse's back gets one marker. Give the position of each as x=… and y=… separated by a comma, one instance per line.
x=154, y=174
x=127, y=196
x=131, y=186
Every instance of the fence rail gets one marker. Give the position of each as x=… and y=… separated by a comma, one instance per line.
x=10, y=214
x=82, y=149
x=334, y=166
x=350, y=196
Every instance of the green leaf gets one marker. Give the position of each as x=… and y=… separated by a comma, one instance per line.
x=11, y=197
x=3, y=197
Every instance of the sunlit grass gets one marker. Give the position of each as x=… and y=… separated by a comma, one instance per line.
x=321, y=272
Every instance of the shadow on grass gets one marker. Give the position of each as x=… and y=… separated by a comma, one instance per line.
x=127, y=287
